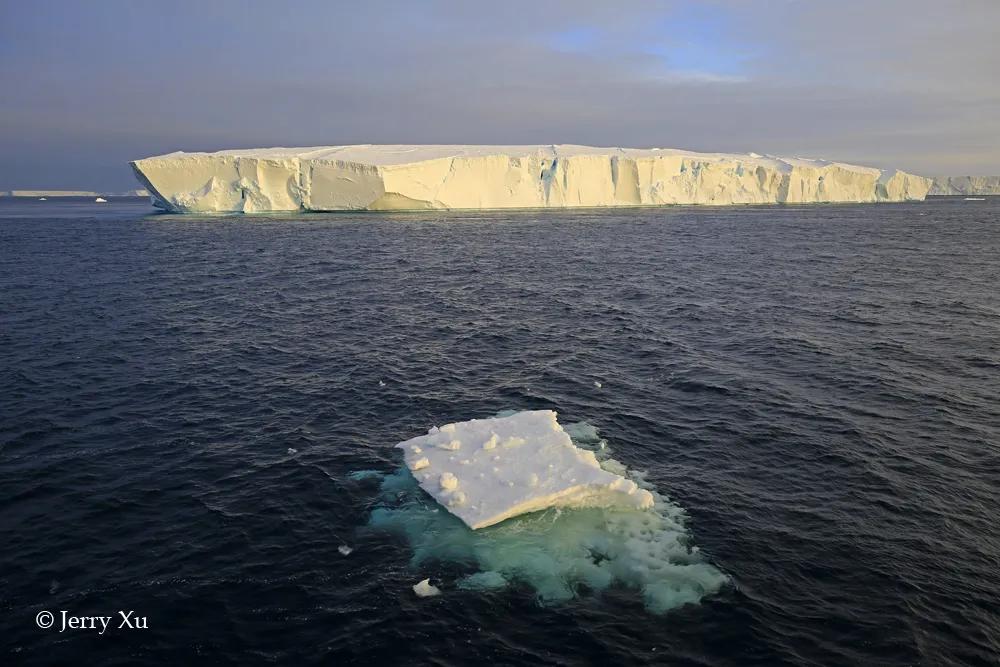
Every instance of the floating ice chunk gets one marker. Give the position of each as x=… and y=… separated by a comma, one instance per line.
x=381, y=384
x=598, y=384
x=344, y=550
x=292, y=450
x=547, y=470
x=559, y=554
x=424, y=589
x=100, y=200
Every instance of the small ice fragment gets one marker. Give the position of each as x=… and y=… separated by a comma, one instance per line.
x=381, y=384
x=292, y=450
x=424, y=589
x=598, y=384
x=344, y=550
x=420, y=463
x=100, y=200
x=448, y=482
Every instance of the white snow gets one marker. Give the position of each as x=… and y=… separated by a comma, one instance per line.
x=424, y=589
x=513, y=465
x=385, y=177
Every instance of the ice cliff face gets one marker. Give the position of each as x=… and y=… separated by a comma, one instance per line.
x=966, y=185
x=480, y=177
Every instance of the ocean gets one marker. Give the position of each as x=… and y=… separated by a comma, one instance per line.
x=198, y=418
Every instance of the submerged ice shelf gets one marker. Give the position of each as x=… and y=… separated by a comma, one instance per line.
x=487, y=470
x=409, y=177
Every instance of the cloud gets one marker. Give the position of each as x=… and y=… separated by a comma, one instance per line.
x=899, y=83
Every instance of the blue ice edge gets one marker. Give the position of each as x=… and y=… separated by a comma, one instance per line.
x=557, y=552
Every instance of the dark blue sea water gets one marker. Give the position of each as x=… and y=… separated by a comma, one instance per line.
x=184, y=399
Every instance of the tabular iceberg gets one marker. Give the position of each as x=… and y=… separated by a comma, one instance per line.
x=487, y=470
x=966, y=185
x=402, y=177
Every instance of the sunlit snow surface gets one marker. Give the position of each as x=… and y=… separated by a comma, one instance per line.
x=487, y=470
x=559, y=553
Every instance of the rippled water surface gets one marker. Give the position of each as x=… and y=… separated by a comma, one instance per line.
x=184, y=402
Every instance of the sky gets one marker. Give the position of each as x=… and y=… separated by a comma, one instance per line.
x=87, y=86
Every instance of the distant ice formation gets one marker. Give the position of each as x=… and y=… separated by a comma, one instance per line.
x=558, y=552
x=402, y=177
x=966, y=185
x=45, y=194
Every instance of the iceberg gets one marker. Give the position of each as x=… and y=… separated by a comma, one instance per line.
x=414, y=177
x=966, y=185
x=487, y=470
